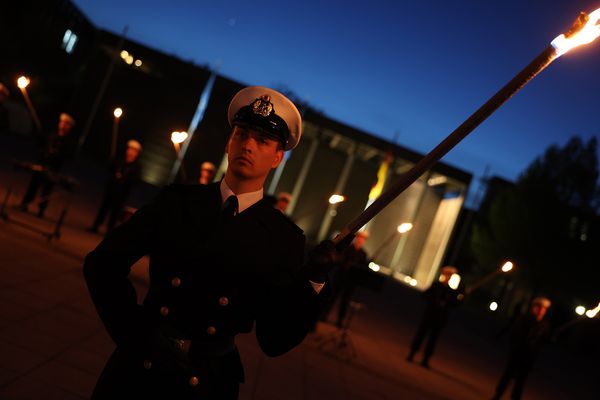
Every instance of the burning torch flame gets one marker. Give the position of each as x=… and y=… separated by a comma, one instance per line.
x=593, y=312
x=336, y=198
x=23, y=82
x=178, y=137
x=507, y=266
x=585, y=30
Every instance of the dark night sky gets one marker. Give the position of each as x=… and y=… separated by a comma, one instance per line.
x=417, y=68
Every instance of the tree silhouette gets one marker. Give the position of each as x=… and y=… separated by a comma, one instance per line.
x=548, y=223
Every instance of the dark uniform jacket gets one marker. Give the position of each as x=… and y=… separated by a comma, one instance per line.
x=122, y=177
x=209, y=279
x=440, y=298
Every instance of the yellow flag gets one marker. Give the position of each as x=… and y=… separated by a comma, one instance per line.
x=381, y=176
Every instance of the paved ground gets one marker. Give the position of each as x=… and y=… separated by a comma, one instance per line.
x=52, y=344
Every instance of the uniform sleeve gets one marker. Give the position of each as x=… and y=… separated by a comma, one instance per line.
x=288, y=312
x=106, y=271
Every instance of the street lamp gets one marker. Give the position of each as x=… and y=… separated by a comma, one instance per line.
x=22, y=83
x=402, y=228
x=117, y=113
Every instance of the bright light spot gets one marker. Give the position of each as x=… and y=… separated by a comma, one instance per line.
x=178, y=137
x=580, y=310
x=592, y=313
x=438, y=180
x=404, y=227
x=23, y=82
x=507, y=266
x=407, y=279
x=373, y=266
x=584, y=35
x=124, y=54
x=493, y=306
x=413, y=282
x=129, y=59
x=454, y=281
x=69, y=40
x=138, y=63
x=118, y=112
x=336, y=198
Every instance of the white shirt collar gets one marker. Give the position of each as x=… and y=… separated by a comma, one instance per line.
x=245, y=200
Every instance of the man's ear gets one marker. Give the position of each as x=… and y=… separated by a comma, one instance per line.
x=278, y=158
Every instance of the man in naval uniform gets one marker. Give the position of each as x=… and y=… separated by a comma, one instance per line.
x=222, y=260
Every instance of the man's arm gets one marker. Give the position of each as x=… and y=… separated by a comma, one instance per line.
x=106, y=270
x=288, y=312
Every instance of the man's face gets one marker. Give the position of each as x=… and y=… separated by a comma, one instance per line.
x=206, y=175
x=251, y=154
x=131, y=154
x=538, y=311
x=359, y=241
x=64, y=127
x=282, y=204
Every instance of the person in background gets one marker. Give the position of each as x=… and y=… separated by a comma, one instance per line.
x=282, y=201
x=123, y=174
x=439, y=298
x=344, y=281
x=529, y=334
x=207, y=173
x=57, y=147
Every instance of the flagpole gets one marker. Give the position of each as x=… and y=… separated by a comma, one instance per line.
x=196, y=119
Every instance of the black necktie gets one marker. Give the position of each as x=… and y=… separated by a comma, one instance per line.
x=230, y=207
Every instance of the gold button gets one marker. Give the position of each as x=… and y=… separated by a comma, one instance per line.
x=164, y=311
x=223, y=301
x=211, y=330
x=175, y=282
x=147, y=364
x=194, y=381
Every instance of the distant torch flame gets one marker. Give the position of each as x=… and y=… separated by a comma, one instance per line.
x=336, y=198
x=507, y=266
x=178, y=137
x=593, y=312
x=585, y=30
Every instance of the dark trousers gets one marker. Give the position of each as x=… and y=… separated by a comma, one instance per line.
x=38, y=179
x=112, y=203
x=125, y=377
x=517, y=368
x=430, y=328
x=346, y=293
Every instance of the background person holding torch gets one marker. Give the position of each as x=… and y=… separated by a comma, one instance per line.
x=439, y=298
x=56, y=148
x=122, y=175
x=530, y=332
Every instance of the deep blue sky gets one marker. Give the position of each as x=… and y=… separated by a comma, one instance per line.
x=419, y=68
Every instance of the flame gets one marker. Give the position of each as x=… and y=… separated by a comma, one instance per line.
x=23, y=82
x=118, y=112
x=593, y=312
x=404, y=227
x=336, y=198
x=585, y=30
x=507, y=266
x=454, y=281
x=178, y=137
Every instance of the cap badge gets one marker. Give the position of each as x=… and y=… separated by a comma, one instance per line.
x=262, y=106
